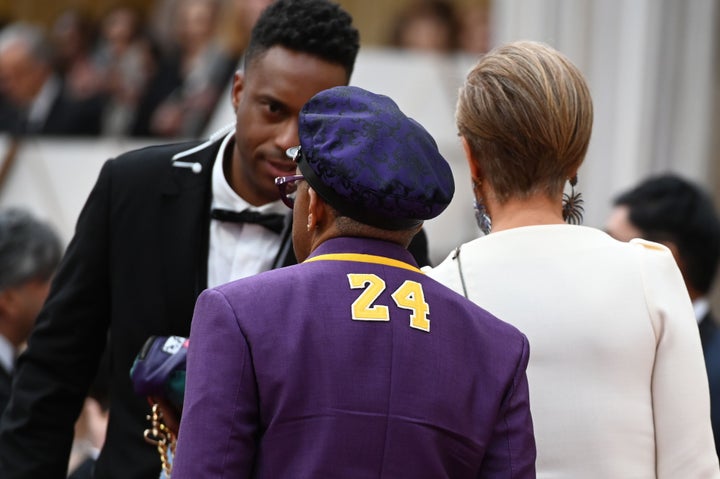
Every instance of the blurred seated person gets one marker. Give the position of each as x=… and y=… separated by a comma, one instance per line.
x=190, y=77
x=428, y=26
x=37, y=101
x=72, y=37
x=237, y=22
x=675, y=212
x=30, y=251
x=475, y=30
x=124, y=57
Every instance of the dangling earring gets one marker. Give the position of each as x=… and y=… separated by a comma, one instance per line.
x=572, y=208
x=481, y=215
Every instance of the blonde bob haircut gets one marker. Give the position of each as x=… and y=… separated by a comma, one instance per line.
x=526, y=113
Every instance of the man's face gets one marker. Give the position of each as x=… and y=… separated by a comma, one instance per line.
x=21, y=77
x=267, y=100
x=618, y=225
x=20, y=306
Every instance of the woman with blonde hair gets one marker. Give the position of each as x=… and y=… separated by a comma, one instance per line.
x=617, y=380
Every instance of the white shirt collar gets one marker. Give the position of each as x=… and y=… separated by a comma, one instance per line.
x=701, y=307
x=7, y=354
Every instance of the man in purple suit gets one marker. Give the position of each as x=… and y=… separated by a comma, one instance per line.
x=353, y=363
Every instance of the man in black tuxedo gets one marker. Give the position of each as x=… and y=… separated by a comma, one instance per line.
x=675, y=212
x=30, y=251
x=157, y=229
x=34, y=97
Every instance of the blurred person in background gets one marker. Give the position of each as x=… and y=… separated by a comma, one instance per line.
x=37, y=101
x=30, y=251
x=72, y=38
x=677, y=213
x=616, y=374
x=237, y=22
x=194, y=72
x=475, y=30
x=124, y=56
x=426, y=26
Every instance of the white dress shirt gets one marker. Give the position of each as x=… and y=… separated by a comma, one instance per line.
x=238, y=250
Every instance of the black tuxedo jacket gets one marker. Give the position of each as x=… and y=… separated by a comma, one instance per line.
x=134, y=268
x=5, y=380
x=710, y=338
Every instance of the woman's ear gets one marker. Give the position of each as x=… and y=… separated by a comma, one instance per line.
x=475, y=171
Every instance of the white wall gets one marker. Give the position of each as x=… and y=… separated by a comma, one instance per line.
x=52, y=177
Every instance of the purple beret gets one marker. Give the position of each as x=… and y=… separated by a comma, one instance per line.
x=369, y=161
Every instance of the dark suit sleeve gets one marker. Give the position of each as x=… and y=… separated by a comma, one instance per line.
x=4, y=389
x=56, y=370
x=511, y=450
x=710, y=335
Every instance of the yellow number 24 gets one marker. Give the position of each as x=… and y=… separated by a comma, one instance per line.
x=408, y=296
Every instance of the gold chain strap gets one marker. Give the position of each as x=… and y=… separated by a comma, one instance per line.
x=161, y=437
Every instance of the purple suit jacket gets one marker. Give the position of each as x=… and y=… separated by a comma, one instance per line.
x=352, y=366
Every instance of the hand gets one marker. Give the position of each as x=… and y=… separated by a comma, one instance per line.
x=171, y=416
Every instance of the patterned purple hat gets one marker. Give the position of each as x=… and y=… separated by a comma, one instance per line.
x=369, y=161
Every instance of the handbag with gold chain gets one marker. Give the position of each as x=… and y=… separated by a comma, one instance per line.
x=158, y=373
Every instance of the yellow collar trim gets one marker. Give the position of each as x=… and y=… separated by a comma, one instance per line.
x=364, y=258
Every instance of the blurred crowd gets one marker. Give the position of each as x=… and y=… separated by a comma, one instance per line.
x=161, y=74
x=124, y=74
x=442, y=26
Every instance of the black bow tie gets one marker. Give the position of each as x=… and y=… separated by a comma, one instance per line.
x=272, y=221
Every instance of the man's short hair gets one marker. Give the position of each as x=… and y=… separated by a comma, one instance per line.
x=316, y=27
x=669, y=208
x=29, y=249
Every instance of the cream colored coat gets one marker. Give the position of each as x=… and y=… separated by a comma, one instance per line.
x=617, y=380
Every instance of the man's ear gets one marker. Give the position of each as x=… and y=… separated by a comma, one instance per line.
x=475, y=170
x=316, y=209
x=237, y=87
